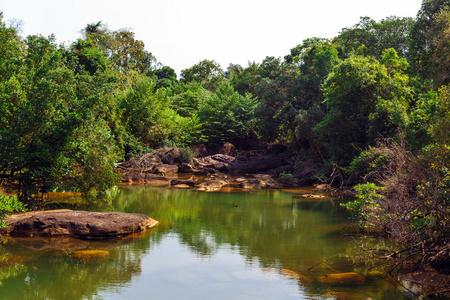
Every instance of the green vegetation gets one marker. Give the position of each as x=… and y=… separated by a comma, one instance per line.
x=373, y=103
x=9, y=205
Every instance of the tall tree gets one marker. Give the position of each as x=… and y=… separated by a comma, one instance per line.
x=366, y=99
x=206, y=72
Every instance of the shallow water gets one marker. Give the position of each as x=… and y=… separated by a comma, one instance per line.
x=207, y=246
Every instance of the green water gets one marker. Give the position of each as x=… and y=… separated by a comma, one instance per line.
x=207, y=246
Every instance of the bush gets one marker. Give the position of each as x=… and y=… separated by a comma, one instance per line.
x=8, y=206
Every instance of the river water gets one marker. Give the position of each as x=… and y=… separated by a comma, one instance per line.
x=223, y=245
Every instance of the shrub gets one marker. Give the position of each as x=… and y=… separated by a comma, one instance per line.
x=9, y=205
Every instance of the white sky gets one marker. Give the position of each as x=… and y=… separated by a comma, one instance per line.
x=180, y=33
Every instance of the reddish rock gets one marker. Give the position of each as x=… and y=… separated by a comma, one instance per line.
x=79, y=224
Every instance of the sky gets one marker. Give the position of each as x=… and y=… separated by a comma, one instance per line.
x=181, y=33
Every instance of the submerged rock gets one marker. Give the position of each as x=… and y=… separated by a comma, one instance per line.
x=90, y=254
x=342, y=278
x=79, y=224
x=295, y=275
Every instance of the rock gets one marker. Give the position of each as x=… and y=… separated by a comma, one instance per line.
x=228, y=149
x=218, y=162
x=153, y=179
x=427, y=280
x=148, y=161
x=200, y=150
x=134, y=178
x=187, y=182
x=79, y=224
x=90, y=255
x=251, y=184
x=212, y=185
x=186, y=168
x=181, y=186
x=145, y=178
x=167, y=170
x=342, y=278
x=295, y=275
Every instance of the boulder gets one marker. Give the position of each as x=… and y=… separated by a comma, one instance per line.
x=228, y=149
x=79, y=224
x=212, y=185
x=167, y=170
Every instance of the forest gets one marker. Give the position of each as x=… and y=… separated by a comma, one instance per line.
x=369, y=106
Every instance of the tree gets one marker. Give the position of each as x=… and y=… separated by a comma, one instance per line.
x=366, y=99
x=225, y=115
x=441, y=48
x=147, y=116
x=423, y=33
x=392, y=32
x=44, y=122
x=206, y=72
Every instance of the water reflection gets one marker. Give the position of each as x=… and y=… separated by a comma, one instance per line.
x=207, y=246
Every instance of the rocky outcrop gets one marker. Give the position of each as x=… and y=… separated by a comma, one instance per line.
x=149, y=162
x=271, y=160
x=78, y=224
x=219, y=162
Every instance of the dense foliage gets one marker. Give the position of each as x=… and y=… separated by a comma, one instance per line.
x=69, y=114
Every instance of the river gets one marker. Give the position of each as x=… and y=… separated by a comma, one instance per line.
x=223, y=245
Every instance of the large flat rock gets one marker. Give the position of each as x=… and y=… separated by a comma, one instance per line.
x=79, y=224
